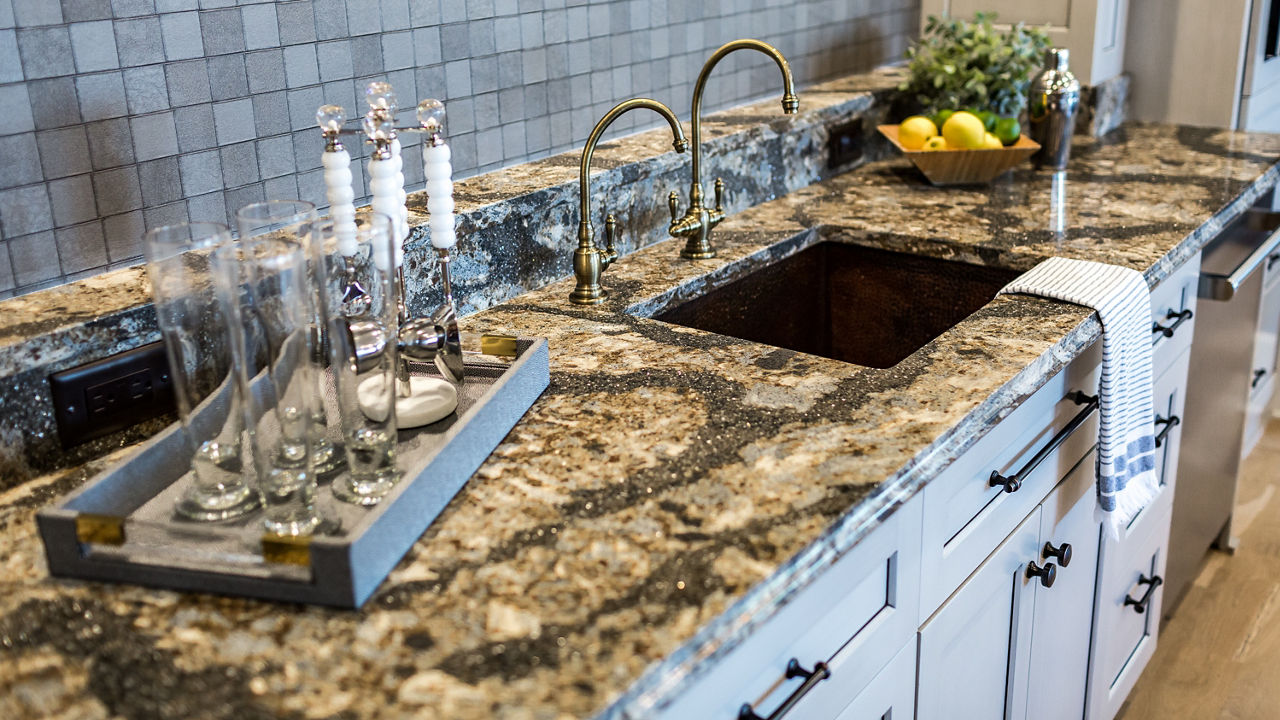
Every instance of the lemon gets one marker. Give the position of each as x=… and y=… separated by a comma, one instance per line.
x=915, y=130
x=964, y=130
x=992, y=142
x=935, y=143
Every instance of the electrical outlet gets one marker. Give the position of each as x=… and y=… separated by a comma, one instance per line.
x=845, y=144
x=111, y=394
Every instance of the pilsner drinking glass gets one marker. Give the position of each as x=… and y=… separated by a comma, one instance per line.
x=291, y=220
x=198, y=346
x=355, y=262
x=264, y=282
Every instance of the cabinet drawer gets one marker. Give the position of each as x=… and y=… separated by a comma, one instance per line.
x=965, y=517
x=1124, y=639
x=892, y=694
x=855, y=616
x=1172, y=297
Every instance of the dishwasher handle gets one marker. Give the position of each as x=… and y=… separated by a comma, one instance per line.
x=1223, y=287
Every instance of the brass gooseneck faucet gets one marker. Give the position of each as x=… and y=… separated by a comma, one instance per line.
x=589, y=261
x=698, y=221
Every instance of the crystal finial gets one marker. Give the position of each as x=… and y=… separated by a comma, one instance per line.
x=381, y=96
x=330, y=118
x=431, y=116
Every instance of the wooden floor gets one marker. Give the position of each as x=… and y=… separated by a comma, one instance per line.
x=1219, y=656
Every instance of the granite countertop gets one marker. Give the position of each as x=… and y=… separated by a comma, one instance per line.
x=669, y=488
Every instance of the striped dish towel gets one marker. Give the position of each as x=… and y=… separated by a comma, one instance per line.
x=1126, y=444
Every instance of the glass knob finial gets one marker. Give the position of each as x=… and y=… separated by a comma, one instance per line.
x=380, y=96
x=330, y=118
x=431, y=116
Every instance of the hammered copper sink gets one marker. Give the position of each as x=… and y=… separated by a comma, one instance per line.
x=845, y=302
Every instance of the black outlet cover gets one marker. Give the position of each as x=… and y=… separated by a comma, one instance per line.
x=845, y=143
x=111, y=394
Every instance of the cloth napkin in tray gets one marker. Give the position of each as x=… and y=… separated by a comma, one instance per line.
x=1126, y=443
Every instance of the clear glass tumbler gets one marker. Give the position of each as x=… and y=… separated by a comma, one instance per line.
x=291, y=220
x=358, y=281
x=198, y=345
x=264, y=281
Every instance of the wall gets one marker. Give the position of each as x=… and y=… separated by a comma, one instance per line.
x=126, y=114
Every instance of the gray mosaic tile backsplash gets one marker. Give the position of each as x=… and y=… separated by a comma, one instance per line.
x=117, y=115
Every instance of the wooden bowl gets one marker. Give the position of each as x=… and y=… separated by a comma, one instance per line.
x=964, y=167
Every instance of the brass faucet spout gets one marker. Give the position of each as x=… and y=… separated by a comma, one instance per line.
x=790, y=103
x=696, y=224
x=589, y=261
x=584, y=172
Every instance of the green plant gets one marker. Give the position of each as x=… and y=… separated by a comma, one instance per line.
x=959, y=64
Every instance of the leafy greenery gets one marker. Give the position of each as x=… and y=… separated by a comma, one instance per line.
x=960, y=65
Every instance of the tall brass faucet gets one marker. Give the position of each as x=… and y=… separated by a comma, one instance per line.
x=589, y=261
x=698, y=221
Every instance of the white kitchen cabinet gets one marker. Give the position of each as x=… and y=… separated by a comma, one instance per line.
x=1008, y=635
x=854, y=618
x=1094, y=30
x=1130, y=593
x=1264, y=356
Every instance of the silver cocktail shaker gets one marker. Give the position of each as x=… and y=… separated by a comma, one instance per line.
x=1052, y=98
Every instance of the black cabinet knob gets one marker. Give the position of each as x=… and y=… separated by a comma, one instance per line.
x=1062, y=553
x=1047, y=574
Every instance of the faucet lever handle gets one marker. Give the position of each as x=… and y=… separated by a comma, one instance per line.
x=673, y=204
x=720, y=195
x=610, y=235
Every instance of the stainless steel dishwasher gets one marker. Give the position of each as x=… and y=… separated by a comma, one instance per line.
x=1233, y=364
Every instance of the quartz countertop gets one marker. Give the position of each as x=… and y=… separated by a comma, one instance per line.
x=669, y=489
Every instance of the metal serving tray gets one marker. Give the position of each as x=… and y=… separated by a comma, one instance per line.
x=121, y=527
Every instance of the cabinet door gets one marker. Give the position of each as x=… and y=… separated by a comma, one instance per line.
x=1125, y=628
x=975, y=650
x=1064, y=612
x=892, y=695
x=1263, y=368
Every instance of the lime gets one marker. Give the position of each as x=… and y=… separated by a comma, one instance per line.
x=988, y=119
x=940, y=118
x=914, y=131
x=964, y=130
x=1008, y=130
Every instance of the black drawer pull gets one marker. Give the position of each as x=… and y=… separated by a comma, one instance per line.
x=1140, y=605
x=1013, y=484
x=811, y=678
x=1272, y=260
x=1062, y=553
x=1169, y=424
x=1177, y=317
x=1257, y=377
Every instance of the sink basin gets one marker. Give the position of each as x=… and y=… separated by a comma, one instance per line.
x=859, y=305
